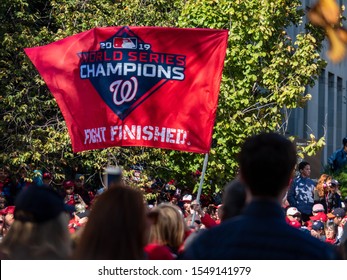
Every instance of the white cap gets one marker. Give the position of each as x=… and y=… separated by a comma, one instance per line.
x=291, y=211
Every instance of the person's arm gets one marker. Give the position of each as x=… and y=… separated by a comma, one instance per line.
x=205, y=218
x=338, y=200
x=331, y=160
x=291, y=195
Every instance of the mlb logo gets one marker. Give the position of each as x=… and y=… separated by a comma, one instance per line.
x=124, y=43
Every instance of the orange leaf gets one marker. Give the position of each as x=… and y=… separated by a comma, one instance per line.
x=323, y=12
x=342, y=33
x=337, y=48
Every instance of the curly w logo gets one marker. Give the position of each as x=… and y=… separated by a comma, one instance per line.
x=125, y=71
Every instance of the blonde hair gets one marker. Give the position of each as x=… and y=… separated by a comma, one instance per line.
x=168, y=226
x=38, y=241
x=320, y=188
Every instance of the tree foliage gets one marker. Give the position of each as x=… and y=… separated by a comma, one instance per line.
x=265, y=76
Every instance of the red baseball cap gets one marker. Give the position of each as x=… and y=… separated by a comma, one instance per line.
x=68, y=184
x=47, y=175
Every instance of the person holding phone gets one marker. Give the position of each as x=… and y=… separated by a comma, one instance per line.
x=71, y=197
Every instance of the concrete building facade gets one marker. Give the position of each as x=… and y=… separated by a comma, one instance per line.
x=326, y=113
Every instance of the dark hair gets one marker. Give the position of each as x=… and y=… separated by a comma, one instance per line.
x=302, y=165
x=116, y=228
x=234, y=199
x=267, y=161
x=344, y=141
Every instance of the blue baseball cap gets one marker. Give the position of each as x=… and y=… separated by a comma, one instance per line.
x=318, y=225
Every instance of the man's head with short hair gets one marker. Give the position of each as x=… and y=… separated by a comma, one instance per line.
x=267, y=161
x=302, y=165
x=234, y=199
x=337, y=215
x=344, y=141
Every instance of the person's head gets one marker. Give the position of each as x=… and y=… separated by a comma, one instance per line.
x=304, y=169
x=174, y=200
x=8, y=218
x=37, y=178
x=167, y=225
x=47, y=178
x=197, y=222
x=293, y=214
x=69, y=187
x=271, y=154
x=334, y=185
x=317, y=229
x=8, y=213
x=40, y=229
x=5, y=172
x=114, y=176
x=186, y=201
x=330, y=230
x=344, y=143
x=337, y=215
x=317, y=208
x=116, y=228
x=323, y=184
x=79, y=181
x=234, y=199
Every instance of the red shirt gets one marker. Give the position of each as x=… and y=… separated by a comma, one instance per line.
x=294, y=223
x=158, y=252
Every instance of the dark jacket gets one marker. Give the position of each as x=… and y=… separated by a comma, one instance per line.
x=300, y=194
x=338, y=159
x=333, y=201
x=261, y=233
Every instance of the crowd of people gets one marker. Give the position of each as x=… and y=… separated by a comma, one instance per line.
x=260, y=217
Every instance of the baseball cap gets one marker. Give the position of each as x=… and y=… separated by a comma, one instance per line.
x=291, y=211
x=317, y=225
x=318, y=208
x=68, y=184
x=47, y=175
x=187, y=198
x=38, y=205
x=337, y=212
x=334, y=182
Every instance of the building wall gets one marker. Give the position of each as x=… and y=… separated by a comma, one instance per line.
x=326, y=113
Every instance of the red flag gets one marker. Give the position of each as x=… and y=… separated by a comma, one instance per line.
x=136, y=86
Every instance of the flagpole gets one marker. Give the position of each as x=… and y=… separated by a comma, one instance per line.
x=200, y=186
